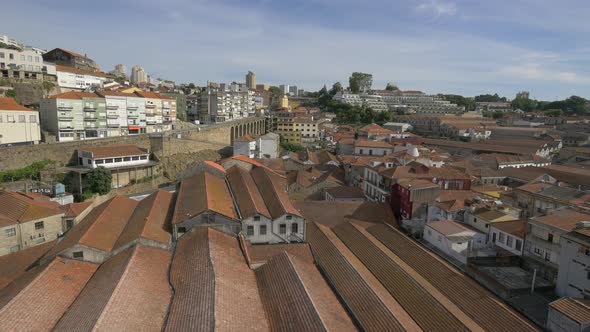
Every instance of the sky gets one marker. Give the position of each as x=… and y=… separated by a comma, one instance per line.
x=465, y=47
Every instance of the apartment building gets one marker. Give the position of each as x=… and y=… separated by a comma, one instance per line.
x=26, y=222
x=574, y=258
x=75, y=79
x=410, y=198
x=62, y=57
x=375, y=102
x=265, y=146
x=22, y=60
x=540, y=198
x=18, y=124
x=225, y=103
x=418, y=101
x=153, y=111
x=125, y=113
x=251, y=80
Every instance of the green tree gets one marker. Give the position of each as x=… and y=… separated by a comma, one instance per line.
x=99, y=180
x=360, y=82
x=275, y=90
x=489, y=98
x=497, y=115
x=523, y=102
x=553, y=113
x=468, y=103
x=336, y=87
x=191, y=85
x=11, y=93
x=292, y=147
x=391, y=87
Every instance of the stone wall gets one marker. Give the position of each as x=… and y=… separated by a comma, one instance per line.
x=178, y=141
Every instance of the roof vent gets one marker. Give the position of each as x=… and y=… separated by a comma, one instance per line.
x=583, y=224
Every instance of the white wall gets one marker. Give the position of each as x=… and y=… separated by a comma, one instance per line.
x=366, y=151
x=448, y=247
x=507, y=241
x=19, y=127
x=573, y=275
x=78, y=81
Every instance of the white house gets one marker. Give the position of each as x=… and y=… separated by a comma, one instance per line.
x=372, y=148
x=509, y=236
x=453, y=239
x=574, y=260
x=70, y=78
x=265, y=146
x=112, y=156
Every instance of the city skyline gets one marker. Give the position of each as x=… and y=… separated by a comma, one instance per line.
x=435, y=46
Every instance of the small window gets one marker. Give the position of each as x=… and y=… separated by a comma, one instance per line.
x=32, y=119
x=429, y=232
x=118, y=160
x=250, y=230
x=282, y=228
x=550, y=237
x=262, y=230
x=78, y=254
x=256, y=218
x=108, y=161
x=509, y=240
x=294, y=228
x=181, y=230
x=135, y=158
x=99, y=161
x=289, y=217
x=143, y=157
x=127, y=159
x=21, y=118
x=39, y=225
x=518, y=245
x=10, y=232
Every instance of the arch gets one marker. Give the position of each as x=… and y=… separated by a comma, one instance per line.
x=232, y=134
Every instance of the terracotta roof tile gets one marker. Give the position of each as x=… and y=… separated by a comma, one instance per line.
x=110, y=151
x=150, y=220
x=565, y=219
x=260, y=253
x=18, y=208
x=12, y=266
x=248, y=199
x=74, y=95
x=80, y=71
x=345, y=192
x=47, y=296
x=9, y=104
x=372, y=144
x=333, y=212
x=200, y=193
x=273, y=189
x=73, y=210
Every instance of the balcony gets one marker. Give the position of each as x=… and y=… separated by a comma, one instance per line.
x=90, y=117
x=132, y=107
x=65, y=107
x=132, y=115
x=65, y=115
x=113, y=125
x=88, y=125
x=112, y=107
x=66, y=126
x=112, y=115
x=150, y=106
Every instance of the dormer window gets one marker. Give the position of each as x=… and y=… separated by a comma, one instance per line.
x=256, y=218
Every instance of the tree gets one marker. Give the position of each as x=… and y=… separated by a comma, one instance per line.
x=468, y=103
x=489, y=98
x=360, y=82
x=191, y=86
x=553, y=113
x=11, y=93
x=337, y=87
x=391, y=87
x=99, y=180
x=497, y=115
x=275, y=91
x=523, y=102
x=292, y=147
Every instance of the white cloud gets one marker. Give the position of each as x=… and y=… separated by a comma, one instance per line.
x=438, y=8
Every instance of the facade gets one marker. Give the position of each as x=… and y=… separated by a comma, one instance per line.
x=372, y=148
x=251, y=80
x=225, y=103
x=410, y=198
x=71, y=78
x=509, y=236
x=539, y=198
x=22, y=60
x=418, y=101
x=26, y=222
x=374, y=102
x=153, y=104
x=574, y=258
x=484, y=219
x=569, y=315
x=138, y=75
x=67, y=58
x=18, y=124
x=120, y=71
x=264, y=147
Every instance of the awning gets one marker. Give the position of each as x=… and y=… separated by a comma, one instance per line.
x=133, y=127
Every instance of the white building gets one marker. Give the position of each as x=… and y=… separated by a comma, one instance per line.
x=225, y=103
x=22, y=60
x=265, y=146
x=453, y=239
x=120, y=70
x=113, y=156
x=70, y=78
x=509, y=236
x=138, y=75
x=372, y=148
x=574, y=260
x=18, y=124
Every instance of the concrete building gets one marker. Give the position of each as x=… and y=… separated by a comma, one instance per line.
x=540, y=197
x=18, y=124
x=153, y=111
x=484, y=219
x=410, y=198
x=375, y=102
x=226, y=103
x=574, y=258
x=284, y=88
x=66, y=58
x=453, y=239
x=75, y=79
x=293, y=90
x=418, y=101
x=569, y=315
x=372, y=148
x=509, y=236
x=263, y=147
x=251, y=80
x=21, y=60
x=27, y=222
x=125, y=109
x=138, y=75
x=120, y=71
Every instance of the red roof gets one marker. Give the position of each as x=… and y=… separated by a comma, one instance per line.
x=9, y=104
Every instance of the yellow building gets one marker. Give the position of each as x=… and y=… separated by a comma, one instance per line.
x=284, y=102
x=131, y=90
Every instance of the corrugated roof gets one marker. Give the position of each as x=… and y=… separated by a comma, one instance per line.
x=448, y=227
x=577, y=310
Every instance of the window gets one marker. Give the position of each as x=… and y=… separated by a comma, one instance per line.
x=518, y=245
x=32, y=119
x=10, y=118
x=550, y=237
x=474, y=219
x=294, y=228
x=10, y=232
x=494, y=237
x=1, y=55
x=21, y=118
x=538, y=251
x=181, y=230
x=135, y=158
x=78, y=254
x=256, y=218
x=11, y=56
x=262, y=230
x=282, y=228
x=39, y=225
x=15, y=248
x=509, y=241
x=99, y=161
x=118, y=160
x=250, y=230
x=108, y=161
x=143, y=157
x=127, y=159
x=502, y=238
x=288, y=217
x=429, y=232
x=547, y=255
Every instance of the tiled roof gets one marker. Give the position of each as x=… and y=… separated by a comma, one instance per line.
x=416, y=184
x=516, y=228
x=12, y=266
x=260, y=253
x=150, y=220
x=215, y=165
x=248, y=199
x=47, y=295
x=374, y=128
x=424, y=309
x=135, y=278
x=558, y=192
x=238, y=304
x=17, y=208
x=372, y=144
x=105, y=93
x=80, y=71
x=193, y=280
x=9, y=104
x=101, y=228
x=345, y=192
x=201, y=193
x=285, y=298
x=273, y=189
x=352, y=289
x=74, y=95
x=73, y=53
x=565, y=219
x=448, y=227
x=73, y=210
x=153, y=95
x=464, y=292
x=492, y=215
x=334, y=212
x=111, y=151
x=577, y=310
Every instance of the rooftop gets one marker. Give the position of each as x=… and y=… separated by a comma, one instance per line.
x=9, y=104
x=577, y=310
x=111, y=151
x=448, y=227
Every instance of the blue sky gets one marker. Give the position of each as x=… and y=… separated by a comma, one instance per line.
x=463, y=46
